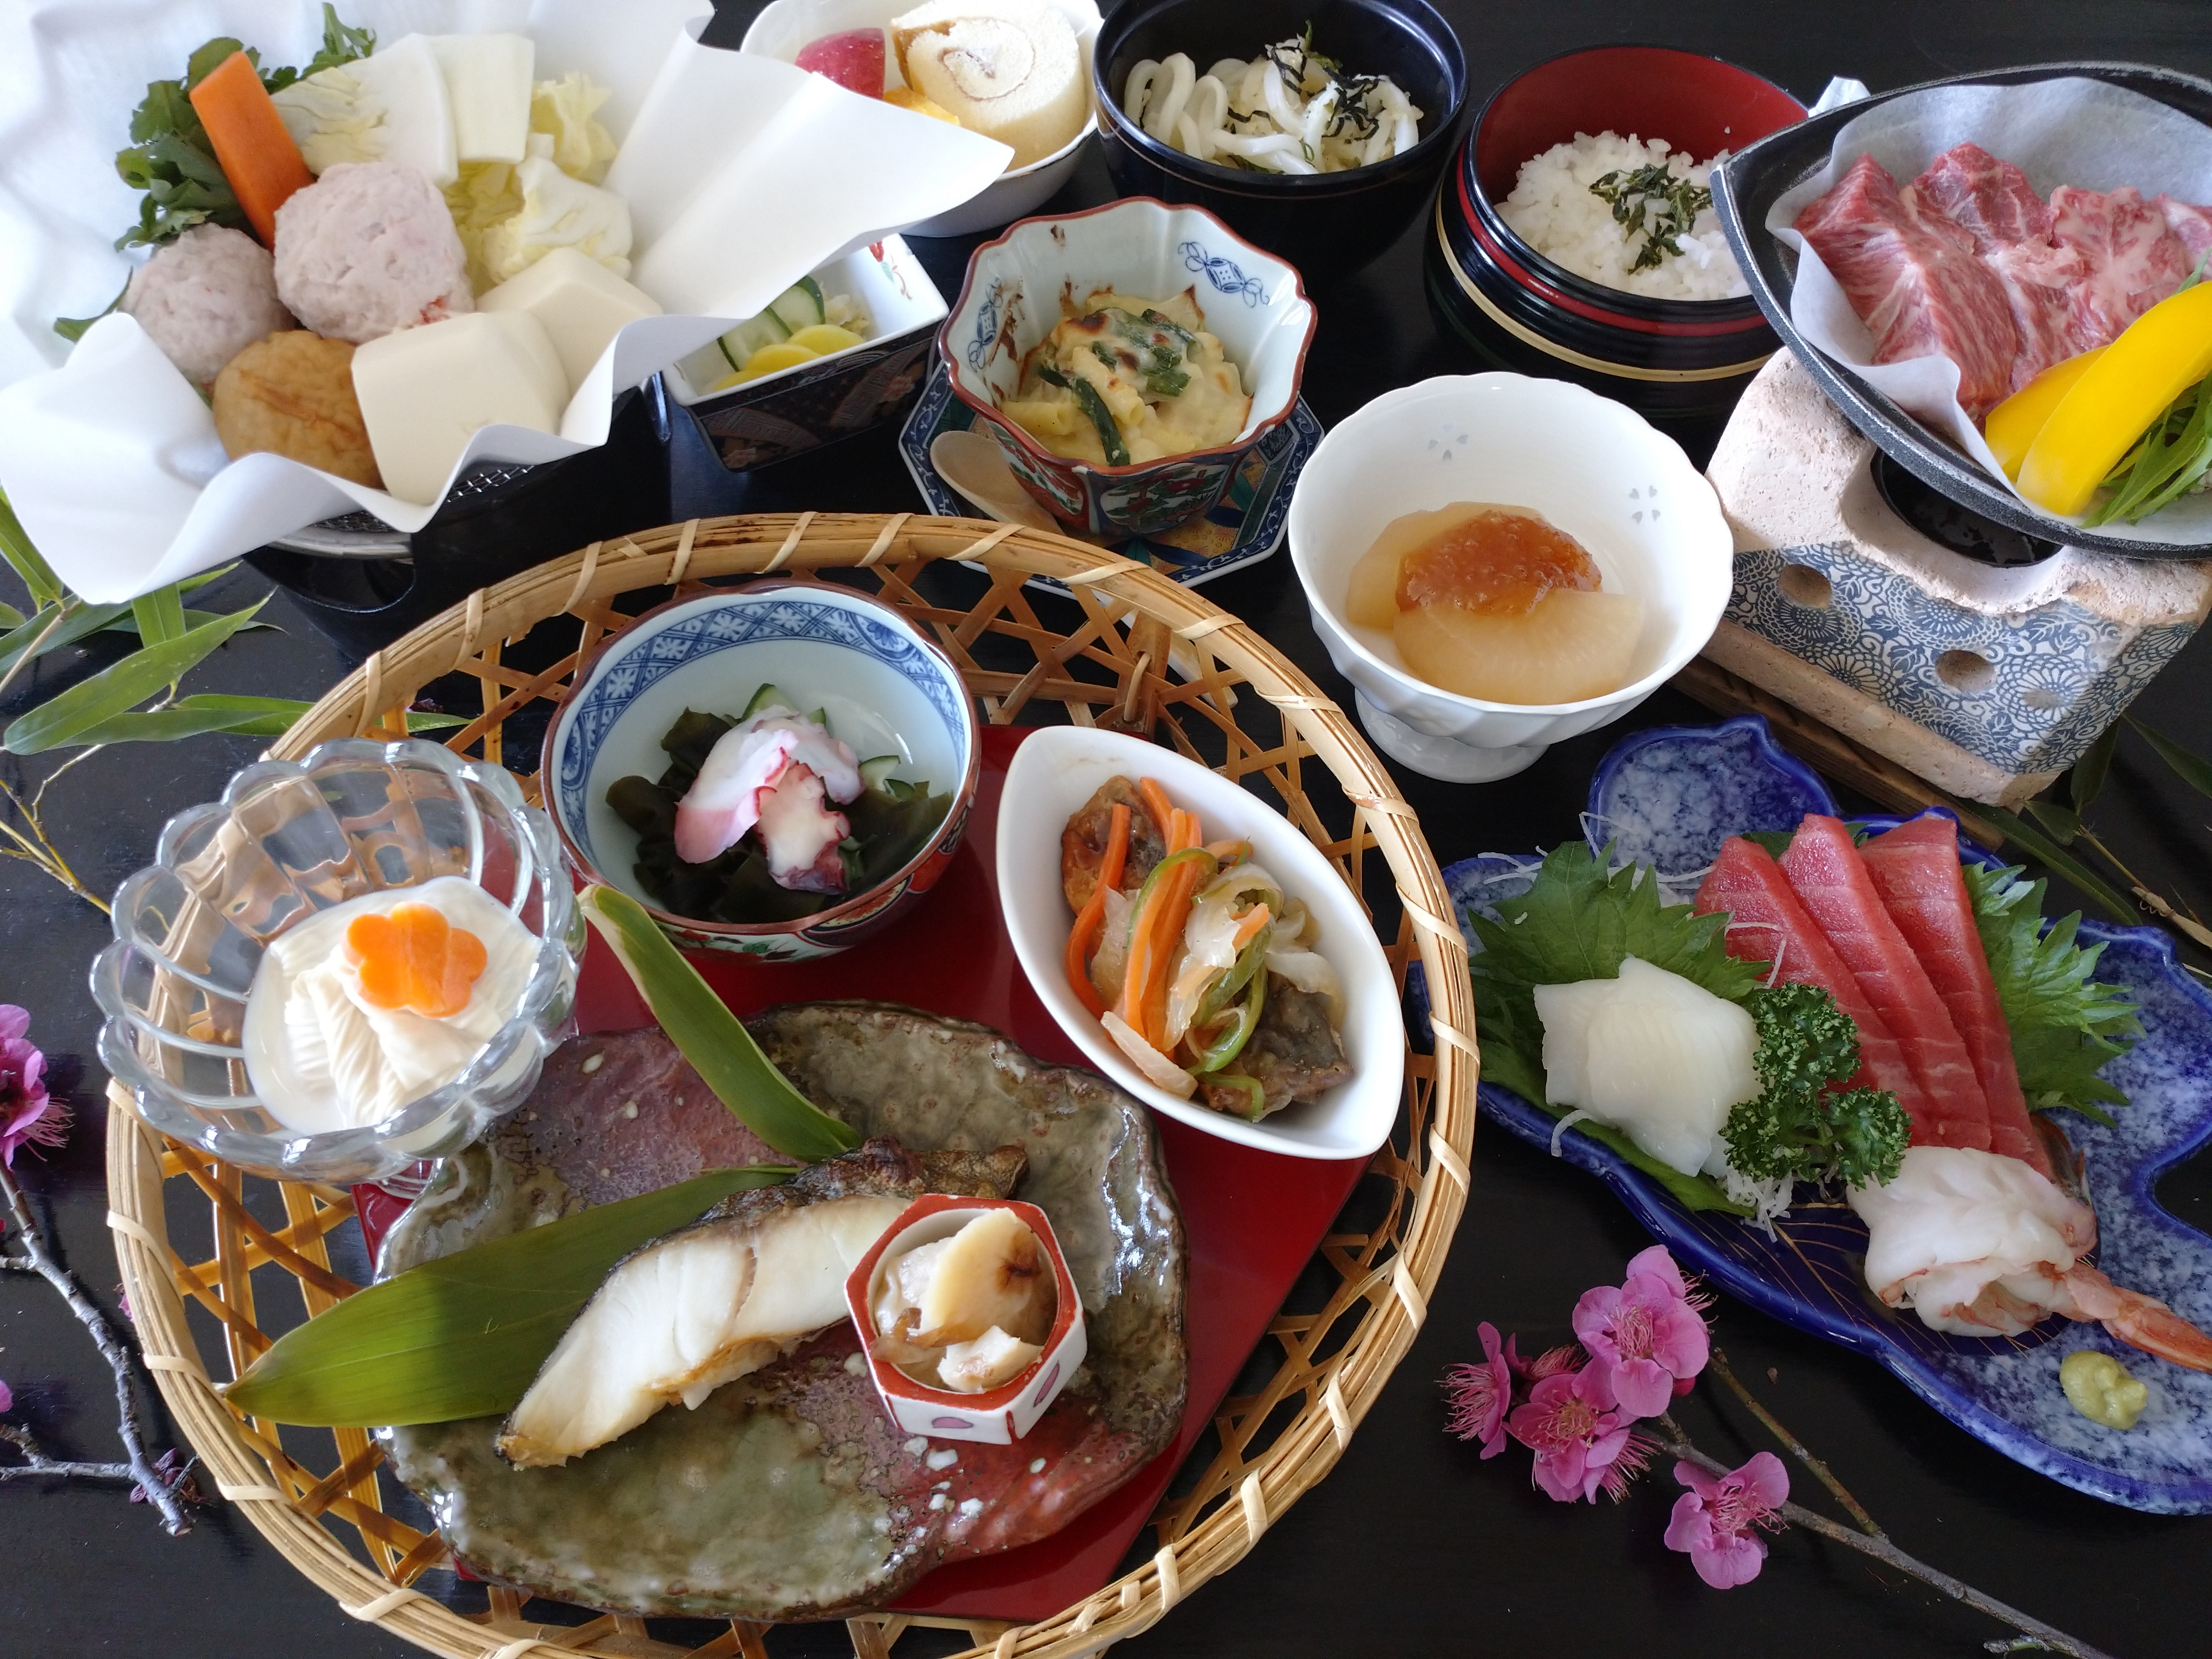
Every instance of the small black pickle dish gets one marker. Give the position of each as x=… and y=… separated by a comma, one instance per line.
x=1680, y=362
x=1326, y=224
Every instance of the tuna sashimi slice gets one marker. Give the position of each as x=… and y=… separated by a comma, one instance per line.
x=1769, y=924
x=1916, y=870
x=1827, y=874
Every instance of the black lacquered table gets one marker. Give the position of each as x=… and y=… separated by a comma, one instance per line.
x=1411, y=1545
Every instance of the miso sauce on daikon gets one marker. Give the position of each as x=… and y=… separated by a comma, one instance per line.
x=1495, y=602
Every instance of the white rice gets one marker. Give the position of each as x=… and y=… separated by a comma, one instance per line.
x=1552, y=209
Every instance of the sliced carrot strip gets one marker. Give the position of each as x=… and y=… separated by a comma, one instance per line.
x=1156, y=803
x=258, y=157
x=1094, y=913
x=1248, y=925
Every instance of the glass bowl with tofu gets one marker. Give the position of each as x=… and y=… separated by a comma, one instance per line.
x=1126, y=359
x=842, y=350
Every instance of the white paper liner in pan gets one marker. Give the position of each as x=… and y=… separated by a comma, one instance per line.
x=741, y=175
x=2071, y=130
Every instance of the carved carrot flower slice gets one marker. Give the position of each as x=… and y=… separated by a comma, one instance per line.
x=412, y=958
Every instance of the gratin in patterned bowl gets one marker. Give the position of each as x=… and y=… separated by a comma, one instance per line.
x=290, y=839
x=887, y=690
x=1252, y=301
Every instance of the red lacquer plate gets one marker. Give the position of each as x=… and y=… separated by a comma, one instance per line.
x=1253, y=1219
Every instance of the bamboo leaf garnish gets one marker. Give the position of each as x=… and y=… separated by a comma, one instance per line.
x=464, y=1336
x=710, y=1037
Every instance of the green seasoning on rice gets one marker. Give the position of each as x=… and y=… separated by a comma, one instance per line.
x=1626, y=213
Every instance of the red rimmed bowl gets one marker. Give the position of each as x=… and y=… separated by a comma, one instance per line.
x=1253, y=302
x=1683, y=359
x=997, y=1416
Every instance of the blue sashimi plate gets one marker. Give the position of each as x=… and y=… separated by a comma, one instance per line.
x=1667, y=798
x=1243, y=526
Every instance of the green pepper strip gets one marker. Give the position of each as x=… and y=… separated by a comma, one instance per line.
x=1257, y=1095
x=1088, y=400
x=1145, y=896
x=1230, y=1044
x=1239, y=973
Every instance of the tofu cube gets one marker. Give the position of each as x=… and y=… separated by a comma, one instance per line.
x=488, y=85
x=425, y=391
x=581, y=303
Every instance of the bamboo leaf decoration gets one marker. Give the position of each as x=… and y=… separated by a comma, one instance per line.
x=710, y=1037
x=463, y=1336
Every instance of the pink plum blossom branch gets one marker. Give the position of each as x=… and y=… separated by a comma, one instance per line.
x=136, y=1468
x=1794, y=1447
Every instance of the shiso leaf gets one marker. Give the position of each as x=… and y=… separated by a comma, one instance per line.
x=2065, y=1025
x=1575, y=922
x=464, y=1336
x=710, y=1037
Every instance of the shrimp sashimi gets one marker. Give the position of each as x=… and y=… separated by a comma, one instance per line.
x=1827, y=874
x=1916, y=869
x=1979, y=1244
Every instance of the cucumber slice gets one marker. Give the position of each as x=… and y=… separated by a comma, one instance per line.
x=875, y=771
x=749, y=337
x=821, y=717
x=798, y=306
x=767, y=697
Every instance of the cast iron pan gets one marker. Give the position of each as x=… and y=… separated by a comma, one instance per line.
x=1753, y=180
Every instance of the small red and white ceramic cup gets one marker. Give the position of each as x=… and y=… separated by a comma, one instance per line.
x=996, y=1416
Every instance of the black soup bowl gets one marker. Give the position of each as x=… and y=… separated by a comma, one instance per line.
x=1324, y=224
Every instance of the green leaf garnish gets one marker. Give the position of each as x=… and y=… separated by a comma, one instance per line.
x=709, y=1036
x=1799, y=1125
x=465, y=1335
x=2065, y=1024
x=65, y=719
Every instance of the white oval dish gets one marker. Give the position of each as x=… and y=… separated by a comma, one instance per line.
x=1595, y=468
x=1056, y=770
x=784, y=28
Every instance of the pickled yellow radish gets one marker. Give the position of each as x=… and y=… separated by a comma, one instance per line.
x=1573, y=644
x=2012, y=424
x=773, y=359
x=823, y=338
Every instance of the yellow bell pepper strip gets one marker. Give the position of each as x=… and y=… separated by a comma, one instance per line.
x=2161, y=355
x=2012, y=424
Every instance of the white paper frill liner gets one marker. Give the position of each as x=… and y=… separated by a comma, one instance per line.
x=2068, y=131
x=742, y=173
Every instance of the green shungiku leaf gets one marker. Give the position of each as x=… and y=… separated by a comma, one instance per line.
x=464, y=1336
x=64, y=718
x=2065, y=1025
x=710, y=1037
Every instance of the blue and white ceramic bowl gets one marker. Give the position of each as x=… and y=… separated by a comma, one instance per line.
x=886, y=689
x=1253, y=302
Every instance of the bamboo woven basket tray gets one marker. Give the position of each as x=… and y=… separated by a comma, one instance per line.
x=1141, y=653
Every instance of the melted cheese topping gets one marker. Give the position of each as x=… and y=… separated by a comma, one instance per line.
x=322, y=1056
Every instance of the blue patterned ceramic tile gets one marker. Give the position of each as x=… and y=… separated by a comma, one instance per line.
x=2057, y=675
x=1245, y=521
x=1672, y=795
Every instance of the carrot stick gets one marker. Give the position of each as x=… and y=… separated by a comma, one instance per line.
x=1094, y=913
x=1145, y=988
x=1156, y=803
x=258, y=157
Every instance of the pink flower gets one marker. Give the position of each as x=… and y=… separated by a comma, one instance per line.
x=27, y=1114
x=1552, y=1362
x=7, y=1398
x=1569, y=1424
x=1479, y=1394
x=1648, y=1335
x=1713, y=1521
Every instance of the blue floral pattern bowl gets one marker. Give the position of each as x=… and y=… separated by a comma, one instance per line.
x=886, y=690
x=1253, y=302
x=1667, y=798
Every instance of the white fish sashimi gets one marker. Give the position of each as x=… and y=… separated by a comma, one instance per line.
x=1652, y=1054
x=747, y=762
x=678, y=1319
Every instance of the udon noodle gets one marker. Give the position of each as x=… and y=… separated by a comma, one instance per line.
x=1289, y=110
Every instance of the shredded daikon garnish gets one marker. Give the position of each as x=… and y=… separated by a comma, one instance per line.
x=1289, y=110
